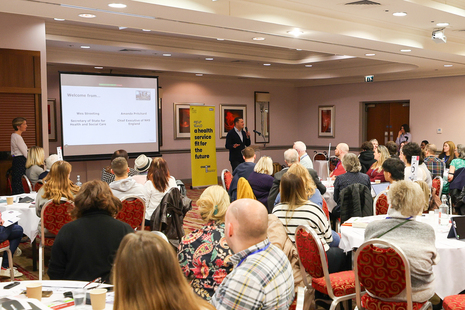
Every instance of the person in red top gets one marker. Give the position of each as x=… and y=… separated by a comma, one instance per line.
x=341, y=150
x=376, y=171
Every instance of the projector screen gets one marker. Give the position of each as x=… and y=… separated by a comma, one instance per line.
x=104, y=113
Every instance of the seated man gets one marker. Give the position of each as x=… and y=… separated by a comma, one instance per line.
x=243, y=170
x=262, y=277
x=123, y=184
x=341, y=150
x=290, y=157
x=432, y=162
x=305, y=160
x=393, y=170
x=48, y=164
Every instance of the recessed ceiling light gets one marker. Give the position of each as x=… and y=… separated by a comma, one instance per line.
x=267, y=64
x=85, y=46
x=146, y=30
x=405, y=51
x=199, y=74
x=208, y=58
x=258, y=39
x=442, y=24
x=308, y=66
x=87, y=15
x=399, y=14
x=298, y=49
x=370, y=54
x=447, y=66
x=59, y=19
x=220, y=39
x=167, y=55
x=117, y=5
x=121, y=28
x=296, y=32
x=98, y=67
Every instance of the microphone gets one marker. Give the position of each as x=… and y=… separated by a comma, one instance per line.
x=258, y=133
x=246, y=129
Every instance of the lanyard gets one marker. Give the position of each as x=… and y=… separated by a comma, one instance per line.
x=254, y=252
x=398, y=225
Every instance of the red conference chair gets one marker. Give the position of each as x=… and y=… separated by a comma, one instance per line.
x=132, y=212
x=38, y=185
x=339, y=286
x=27, y=187
x=226, y=179
x=454, y=302
x=325, y=209
x=53, y=217
x=320, y=156
x=438, y=184
x=5, y=246
x=384, y=272
x=381, y=204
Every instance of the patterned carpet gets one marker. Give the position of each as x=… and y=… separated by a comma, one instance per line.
x=192, y=221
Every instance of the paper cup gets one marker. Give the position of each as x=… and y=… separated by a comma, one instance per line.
x=34, y=290
x=9, y=200
x=98, y=298
x=377, y=181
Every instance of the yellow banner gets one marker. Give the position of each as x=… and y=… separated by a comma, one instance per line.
x=203, y=146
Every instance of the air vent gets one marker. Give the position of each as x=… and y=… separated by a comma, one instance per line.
x=129, y=50
x=363, y=2
x=239, y=61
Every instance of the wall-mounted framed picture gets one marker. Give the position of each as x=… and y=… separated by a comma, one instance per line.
x=182, y=127
x=227, y=115
x=52, y=119
x=326, y=120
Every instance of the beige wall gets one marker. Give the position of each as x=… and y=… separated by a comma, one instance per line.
x=27, y=33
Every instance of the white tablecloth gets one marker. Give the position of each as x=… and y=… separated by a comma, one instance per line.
x=321, y=168
x=29, y=221
x=449, y=272
x=58, y=287
x=329, y=195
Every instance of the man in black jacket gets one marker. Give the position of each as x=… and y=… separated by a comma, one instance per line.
x=236, y=140
x=243, y=170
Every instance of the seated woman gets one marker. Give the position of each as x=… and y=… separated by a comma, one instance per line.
x=207, y=269
x=84, y=248
x=109, y=177
x=416, y=239
x=313, y=193
x=448, y=153
x=35, y=164
x=12, y=233
x=159, y=181
x=157, y=282
x=376, y=170
x=57, y=185
x=353, y=175
x=458, y=162
x=261, y=180
x=295, y=209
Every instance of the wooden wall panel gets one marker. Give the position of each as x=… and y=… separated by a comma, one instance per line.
x=18, y=69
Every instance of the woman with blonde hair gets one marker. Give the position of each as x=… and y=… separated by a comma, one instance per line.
x=295, y=209
x=164, y=287
x=207, y=268
x=312, y=191
x=261, y=180
x=448, y=153
x=159, y=182
x=57, y=185
x=376, y=171
x=35, y=163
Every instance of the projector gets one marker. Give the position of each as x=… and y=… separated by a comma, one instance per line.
x=439, y=36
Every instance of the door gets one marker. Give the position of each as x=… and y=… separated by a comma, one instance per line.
x=384, y=120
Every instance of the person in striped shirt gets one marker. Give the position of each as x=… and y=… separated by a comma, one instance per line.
x=295, y=209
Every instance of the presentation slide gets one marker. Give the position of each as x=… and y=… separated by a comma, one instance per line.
x=101, y=114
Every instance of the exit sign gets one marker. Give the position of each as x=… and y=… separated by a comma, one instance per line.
x=369, y=78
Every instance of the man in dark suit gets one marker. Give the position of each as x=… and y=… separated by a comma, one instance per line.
x=290, y=157
x=236, y=140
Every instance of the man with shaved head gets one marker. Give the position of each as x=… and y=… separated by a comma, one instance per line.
x=341, y=150
x=262, y=276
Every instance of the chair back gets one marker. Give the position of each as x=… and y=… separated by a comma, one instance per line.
x=325, y=209
x=383, y=270
x=381, y=204
x=320, y=156
x=244, y=190
x=27, y=187
x=438, y=184
x=311, y=252
x=333, y=160
x=38, y=185
x=226, y=179
x=132, y=212
x=8, y=181
x=54, y=216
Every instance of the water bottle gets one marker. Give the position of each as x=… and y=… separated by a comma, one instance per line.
x=78, y=181
x=443, y=211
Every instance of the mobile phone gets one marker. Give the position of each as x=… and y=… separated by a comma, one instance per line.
x=11, y=285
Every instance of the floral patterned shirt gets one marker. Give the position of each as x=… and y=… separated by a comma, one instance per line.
x=204, y=257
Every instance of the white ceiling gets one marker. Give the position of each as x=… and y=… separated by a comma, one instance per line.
x=335, y=40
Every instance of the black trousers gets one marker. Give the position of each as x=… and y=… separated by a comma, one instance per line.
x=18, y=169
